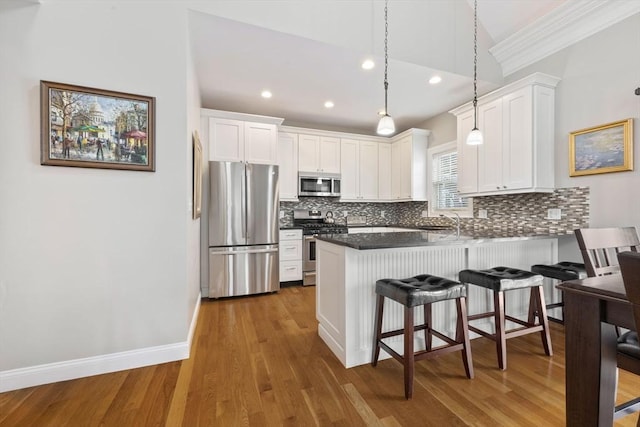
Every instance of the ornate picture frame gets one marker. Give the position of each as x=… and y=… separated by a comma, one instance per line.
x=96, y=128
x=601, y=149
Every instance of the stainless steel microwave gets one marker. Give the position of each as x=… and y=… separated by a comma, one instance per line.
x=325, y=185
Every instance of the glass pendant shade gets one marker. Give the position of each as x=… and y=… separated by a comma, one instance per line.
x=386, y=125
x=475, y=137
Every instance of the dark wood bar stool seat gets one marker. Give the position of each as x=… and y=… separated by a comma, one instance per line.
x=562, y=271
x=500, y=280
x=422, y=290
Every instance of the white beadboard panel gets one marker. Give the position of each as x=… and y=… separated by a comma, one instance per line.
x=330, y=302
x=347, y=278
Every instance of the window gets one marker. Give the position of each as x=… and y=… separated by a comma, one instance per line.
x=443, y=185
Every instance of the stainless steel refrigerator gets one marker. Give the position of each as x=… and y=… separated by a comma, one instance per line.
x=243, y=229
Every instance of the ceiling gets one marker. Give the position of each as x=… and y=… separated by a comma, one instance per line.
x=239, y=53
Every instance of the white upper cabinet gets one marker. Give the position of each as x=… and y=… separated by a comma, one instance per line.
x=517, y=122
x=318, y=154
x=260, y=143
x=288, y=161
x=359, y=170
x=384, y=172
x=226, y=140
x=232, y=139
x=409, y=166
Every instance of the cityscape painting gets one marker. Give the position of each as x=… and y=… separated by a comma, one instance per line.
x=95, y=128
x=601, y=149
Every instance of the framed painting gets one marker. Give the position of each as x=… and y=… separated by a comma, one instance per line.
x=197, y=176
x=601, y=149
x=96, y=128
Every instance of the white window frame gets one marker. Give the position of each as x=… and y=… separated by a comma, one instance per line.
x=466, y=212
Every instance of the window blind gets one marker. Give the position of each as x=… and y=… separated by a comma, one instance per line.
x=445, y=182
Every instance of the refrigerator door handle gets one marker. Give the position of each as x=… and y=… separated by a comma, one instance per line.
x=244, y=203
x=248, y=195
x=249, y=251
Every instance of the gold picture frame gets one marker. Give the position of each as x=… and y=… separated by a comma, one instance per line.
x=601, y=149
x=96, y=128
x=197, y=176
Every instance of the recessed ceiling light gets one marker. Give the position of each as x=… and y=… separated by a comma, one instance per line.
x=435, y=80
x=368, y=64
x=266, y=94
x=328, y=104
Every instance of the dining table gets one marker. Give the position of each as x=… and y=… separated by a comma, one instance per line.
x=594, y=307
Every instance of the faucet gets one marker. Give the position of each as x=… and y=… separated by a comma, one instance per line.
x=456, y=219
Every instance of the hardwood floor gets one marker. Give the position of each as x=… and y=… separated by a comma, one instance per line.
x=258, y=361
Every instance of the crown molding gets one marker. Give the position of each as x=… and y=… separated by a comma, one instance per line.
x=535, y=79
x=569, y=23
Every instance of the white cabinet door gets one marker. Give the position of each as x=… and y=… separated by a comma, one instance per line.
x=350, y=182
x=401, y=169
x=261, y=143
x=517, y=149
x=288, y=161
x=368, y=170
x=490, y=152
x=396, y=167
x=226, y=140
x=318, y=154
x=467, y=156
x=384, y=172
x=329, y=154
x=308, y=146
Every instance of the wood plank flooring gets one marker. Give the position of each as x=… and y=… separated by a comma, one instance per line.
x=258, y=361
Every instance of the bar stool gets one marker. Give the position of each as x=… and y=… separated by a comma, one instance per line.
x=562, y=271
x=500, y=280
x=422, y=290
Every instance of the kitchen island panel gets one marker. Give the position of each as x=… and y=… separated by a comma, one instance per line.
x=347, y=277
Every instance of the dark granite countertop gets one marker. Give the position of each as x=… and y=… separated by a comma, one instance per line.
x=290, y=227
x=365, y=241
x=411, y=227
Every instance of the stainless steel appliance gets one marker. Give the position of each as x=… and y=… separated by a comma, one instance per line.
x=313, y=223
x=325, y=185
x=243, y=229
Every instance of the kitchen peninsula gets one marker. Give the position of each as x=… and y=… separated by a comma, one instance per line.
x=349, y=265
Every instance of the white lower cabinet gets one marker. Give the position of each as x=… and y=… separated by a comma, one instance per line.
x=290, y=255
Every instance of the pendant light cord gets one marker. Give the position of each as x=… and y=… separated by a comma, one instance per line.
x=386, y=56
x=475, y=64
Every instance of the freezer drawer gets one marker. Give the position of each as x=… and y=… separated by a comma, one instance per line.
x=243, y=270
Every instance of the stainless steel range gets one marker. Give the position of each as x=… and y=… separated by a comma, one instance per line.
x=313, y=223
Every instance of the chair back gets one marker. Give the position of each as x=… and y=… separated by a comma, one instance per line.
x=630, y=269
x=600, y=248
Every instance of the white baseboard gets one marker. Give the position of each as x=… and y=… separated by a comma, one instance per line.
x=71, y=369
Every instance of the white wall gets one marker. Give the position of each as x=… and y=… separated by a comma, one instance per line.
x=599, y=76
x=94, y=262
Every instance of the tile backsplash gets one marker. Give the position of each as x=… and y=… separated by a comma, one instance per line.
x=514, y=212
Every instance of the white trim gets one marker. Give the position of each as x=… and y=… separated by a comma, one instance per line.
x=571, y=22
x=231, y=115
x=539, y=79
x=77, y=368
x=464, y=213
x=356, y=136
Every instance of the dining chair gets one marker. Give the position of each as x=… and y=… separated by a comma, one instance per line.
x=628, y=346
x=600, y=248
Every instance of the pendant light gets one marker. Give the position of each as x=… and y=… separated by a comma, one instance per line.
x=386, y=125
x=475, y=136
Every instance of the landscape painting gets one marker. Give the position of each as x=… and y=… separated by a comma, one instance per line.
x=601, y=149
x=96, y=128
